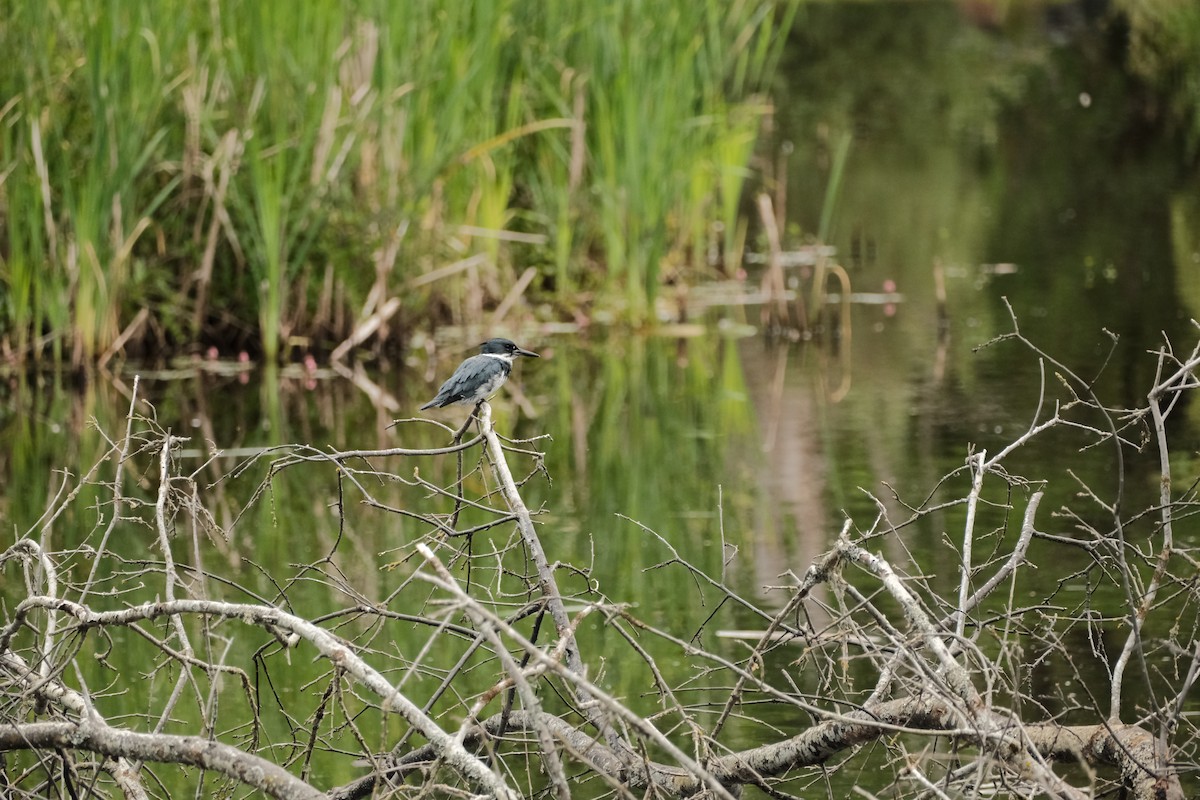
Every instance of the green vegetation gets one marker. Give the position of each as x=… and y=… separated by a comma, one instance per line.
x=253, y=171
x=1164, y=48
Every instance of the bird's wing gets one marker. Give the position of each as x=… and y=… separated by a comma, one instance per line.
x=457, y=386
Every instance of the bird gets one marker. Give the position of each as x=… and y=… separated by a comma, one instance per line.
x=478, y=377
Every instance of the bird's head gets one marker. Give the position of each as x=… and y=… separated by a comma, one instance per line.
x=505, y=347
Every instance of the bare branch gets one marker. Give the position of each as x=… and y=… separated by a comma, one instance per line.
x=336, y=650
x=162, y=748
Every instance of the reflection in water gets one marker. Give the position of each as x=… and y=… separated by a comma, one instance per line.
x=792, y=527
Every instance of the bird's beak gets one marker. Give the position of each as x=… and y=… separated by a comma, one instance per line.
x=529, y=353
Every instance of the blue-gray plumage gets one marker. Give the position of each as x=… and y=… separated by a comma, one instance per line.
x=479, y=376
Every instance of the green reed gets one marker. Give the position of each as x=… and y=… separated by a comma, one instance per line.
x=212, y=163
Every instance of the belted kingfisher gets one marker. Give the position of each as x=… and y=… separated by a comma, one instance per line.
x=478, y=377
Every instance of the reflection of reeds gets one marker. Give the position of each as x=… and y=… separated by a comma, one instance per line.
x=216, y=164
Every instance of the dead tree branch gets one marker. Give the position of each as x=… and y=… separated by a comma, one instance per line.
x=472, y=658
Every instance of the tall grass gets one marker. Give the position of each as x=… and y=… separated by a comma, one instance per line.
x=213, y=162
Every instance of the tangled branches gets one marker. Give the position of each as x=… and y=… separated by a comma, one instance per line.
x=464, y=665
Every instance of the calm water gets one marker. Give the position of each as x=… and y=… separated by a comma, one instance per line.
x=1023, y=162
